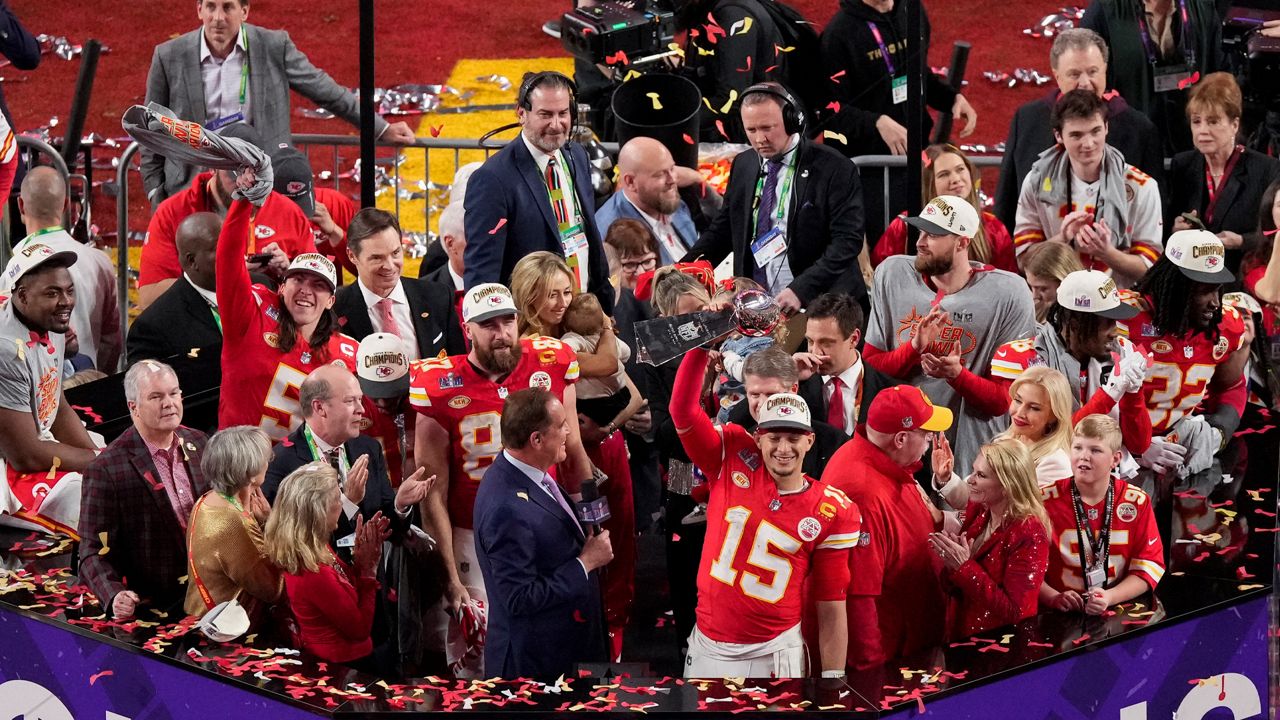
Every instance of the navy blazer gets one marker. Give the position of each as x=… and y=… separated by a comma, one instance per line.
x=378, y=495
x=508, y=215
x=619, y=206
x=544, y=610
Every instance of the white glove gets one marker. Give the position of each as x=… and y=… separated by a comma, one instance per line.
x=1163, y=456
x=1201, y=440
x=1117, y=385
x=1133, y=368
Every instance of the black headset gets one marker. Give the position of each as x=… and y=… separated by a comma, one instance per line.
x=793, y=120
x=533, y=80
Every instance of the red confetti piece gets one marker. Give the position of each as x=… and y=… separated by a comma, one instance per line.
x=501, y=222
x=994, y=646
x=675, y=537
x=435, y=130
x=746, y=69
x=577, y=617
x=833, y=106
x=1189, y=81
x=1032, y=643
x=1134, y=622
x=687, y=139
x=770, y=69
x=105, y=673
x=720, y=127
x=1260, y=511
x=1243, y=573
x=618, y=57
x=836, y=78
x=89, y=413
x=1080, y=640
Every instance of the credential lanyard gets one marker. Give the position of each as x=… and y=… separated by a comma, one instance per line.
x=1101, y=544
x=1185, y=43
x=783, y=196
x=1215, y=189
x=884, y=51
x=343, y=465
x=244, y=68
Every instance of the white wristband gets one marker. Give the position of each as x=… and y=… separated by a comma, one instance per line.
x=832, y=674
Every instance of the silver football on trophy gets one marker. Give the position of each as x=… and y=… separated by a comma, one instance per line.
x=756, y=312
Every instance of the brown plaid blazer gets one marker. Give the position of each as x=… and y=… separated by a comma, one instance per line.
x=123, y=500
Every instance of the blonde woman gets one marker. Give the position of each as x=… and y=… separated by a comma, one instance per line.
x=1044, y=265
x=995, y=565
x=226, y=558
x=542, y=286
x=332, y=601
x=1040, y=417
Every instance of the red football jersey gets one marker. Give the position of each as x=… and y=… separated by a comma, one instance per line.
x=1183, y=366
x=1135, y=548
x=260, y=383
x=760, y=547
x=469, y=406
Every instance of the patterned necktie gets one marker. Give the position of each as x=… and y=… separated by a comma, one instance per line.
x=388, y=320
x=556, y=192
x=835, y=407
x=764, y=213
x=333, y=457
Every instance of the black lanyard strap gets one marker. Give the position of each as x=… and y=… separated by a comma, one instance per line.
x=1101, y=544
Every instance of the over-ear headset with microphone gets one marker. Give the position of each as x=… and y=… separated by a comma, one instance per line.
x=793, y=119
x=530, y=83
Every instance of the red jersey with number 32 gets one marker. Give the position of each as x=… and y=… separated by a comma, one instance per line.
x=755, y=558
x=1182, y=367
x=1135, y=547
x=468, y=406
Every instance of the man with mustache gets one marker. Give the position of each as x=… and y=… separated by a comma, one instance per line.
x=458, y=435
x=937, y=319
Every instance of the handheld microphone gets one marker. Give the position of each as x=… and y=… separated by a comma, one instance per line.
x=593, y=510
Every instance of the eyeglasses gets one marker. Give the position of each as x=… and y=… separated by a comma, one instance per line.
x=640, y=265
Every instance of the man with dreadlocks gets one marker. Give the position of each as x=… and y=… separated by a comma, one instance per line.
x=1195, y=385
x=1078, y=339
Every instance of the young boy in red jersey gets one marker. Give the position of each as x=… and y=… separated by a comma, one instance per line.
x=1106, y=547
x=768, y=526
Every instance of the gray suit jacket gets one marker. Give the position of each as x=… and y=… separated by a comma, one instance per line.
x=275, y=66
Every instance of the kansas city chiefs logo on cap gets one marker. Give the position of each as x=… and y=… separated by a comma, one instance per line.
x=785, y=410
x=384, y=371
x=295, y=187
x=495, y=300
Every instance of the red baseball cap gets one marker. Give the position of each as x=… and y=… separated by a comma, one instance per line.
x=906, y=407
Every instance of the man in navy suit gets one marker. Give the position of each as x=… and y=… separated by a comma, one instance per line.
x=535, y=194
x=648, y=191
x=539, y=567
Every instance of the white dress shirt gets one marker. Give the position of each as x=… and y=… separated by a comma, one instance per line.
x=535, y=475
x=222, y=79
x=458, y=285
x=778, y=272
x=849, y=393
x=570, y=200
x=399, y=311
x=673, y=248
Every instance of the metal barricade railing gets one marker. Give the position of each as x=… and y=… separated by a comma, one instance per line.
x=900, y=161
x=29, y=144
x=459, y=149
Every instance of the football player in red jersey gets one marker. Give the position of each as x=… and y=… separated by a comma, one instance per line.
x=1106, y=547
x=768, y=527
x=271, y=341
x=383, y=369
x=1195, y=386
x=459, y=434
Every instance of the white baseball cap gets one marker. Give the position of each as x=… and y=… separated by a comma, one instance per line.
x=947, y=215
x=315, y=263
x=784, y=411
x=382, y=366
x=486, y=301
x=1200, y=255
x=31, y=256
x=1094, y=292
x=1242, y=301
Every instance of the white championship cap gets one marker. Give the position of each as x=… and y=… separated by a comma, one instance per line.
x=1094, y=292
x=29, y=257
x=382, y=366
x=1200, y=255
x=784, y=411
x=486, y=301
x=317, y=264
x=947, y=215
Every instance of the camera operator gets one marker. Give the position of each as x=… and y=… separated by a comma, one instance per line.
x=726, y=57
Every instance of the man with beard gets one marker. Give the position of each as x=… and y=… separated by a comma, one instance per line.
x=459, y=434
x=1078, y=338
x=41, y=439
x=1195, y=387
x=649, y=190
x=536, y=194
x=936, y=322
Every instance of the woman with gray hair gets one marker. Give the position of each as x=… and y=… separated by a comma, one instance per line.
x=226, y=557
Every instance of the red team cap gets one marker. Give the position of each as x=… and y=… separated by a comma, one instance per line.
x=487, y=301
x=1094, y=292
x=785, y=411
x=947, y=215
x=1200, y=255
x=906, y=407
x=382, y=366
x=316, y=264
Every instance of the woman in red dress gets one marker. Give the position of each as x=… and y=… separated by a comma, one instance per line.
x=993, y=568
